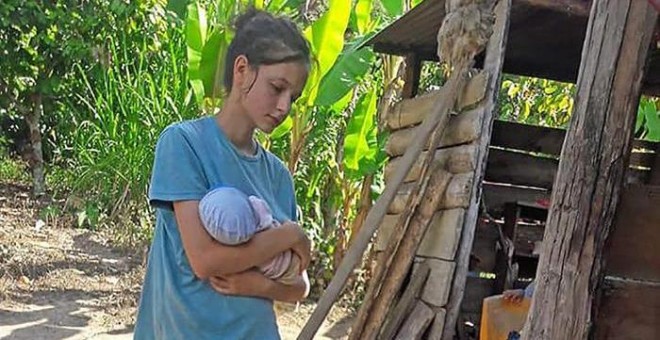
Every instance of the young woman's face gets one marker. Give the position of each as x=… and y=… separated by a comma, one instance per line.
x=270, y=92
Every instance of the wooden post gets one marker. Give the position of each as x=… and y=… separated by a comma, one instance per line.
x=591, y=171
x=511, y=215
x=411, y=77
x=493, y=66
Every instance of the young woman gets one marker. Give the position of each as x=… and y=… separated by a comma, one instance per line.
x=196, y=288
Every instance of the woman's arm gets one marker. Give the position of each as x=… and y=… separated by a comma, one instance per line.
x=210, y=258
x=254, y=283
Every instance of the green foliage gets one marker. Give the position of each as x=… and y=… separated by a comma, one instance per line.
x=12, y=170
x=550, y=103
x=394, y=8
x=647, y=125
x=89, y=217
x=119, y=117
x=326, y=36
x=363, y=154
x=536, y=101
x=50, y=213
x=363, y=20
x=351, y=66
x=40, y=41
x=207, y=38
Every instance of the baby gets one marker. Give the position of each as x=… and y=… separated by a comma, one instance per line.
x=232, y=217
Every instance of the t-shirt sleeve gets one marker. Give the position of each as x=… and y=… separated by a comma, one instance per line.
x=288, y=192
x=177, y=172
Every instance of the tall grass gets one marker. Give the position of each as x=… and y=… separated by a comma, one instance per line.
x=117, y=121
x=13, y=170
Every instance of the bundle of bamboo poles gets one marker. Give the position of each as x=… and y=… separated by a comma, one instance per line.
x=431, y=186
x=437, y=195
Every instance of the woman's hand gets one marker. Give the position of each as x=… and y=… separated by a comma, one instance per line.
x=513, y=295
x=303, y=247
x=247, y=283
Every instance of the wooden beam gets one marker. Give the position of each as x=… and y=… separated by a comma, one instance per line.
x=412, y=75
x=435, y=333
x=591, y=171
x=526, y=137
x=436, y=290
x=546, y=140
x=573, y=7
x=520, y=169
x=407, y=301
x=496, y=195
x=510, y=135
x=456, y=160
x=457, y=194
x=461, y=129
x=503, y=166
x=493, y=67
x=417, y=323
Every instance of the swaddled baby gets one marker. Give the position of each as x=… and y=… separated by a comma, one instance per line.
x=232, y=218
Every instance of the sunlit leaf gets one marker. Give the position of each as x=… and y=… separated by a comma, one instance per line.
x=351, y=66
x=359, y=132
x=195, y=37
x=327, y=39
x=212, y=63
x=652, y=117
x=363, y=15
x=393, y=7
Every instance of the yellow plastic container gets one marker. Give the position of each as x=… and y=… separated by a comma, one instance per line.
x=499, y=317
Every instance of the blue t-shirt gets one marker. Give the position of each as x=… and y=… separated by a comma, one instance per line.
x=191, y=158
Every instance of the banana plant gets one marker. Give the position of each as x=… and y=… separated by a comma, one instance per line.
x=207, y=39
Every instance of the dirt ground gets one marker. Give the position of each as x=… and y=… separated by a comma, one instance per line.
x=59, y=282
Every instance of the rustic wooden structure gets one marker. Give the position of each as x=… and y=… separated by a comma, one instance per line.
x=511, y=170
x=488, y=170
x=594, y=157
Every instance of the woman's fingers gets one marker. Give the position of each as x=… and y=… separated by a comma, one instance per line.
x=218, y=284
x=304, y=251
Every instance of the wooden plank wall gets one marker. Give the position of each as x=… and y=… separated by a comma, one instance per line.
x=521, y=167
x=462, y=158
x=522, y=161
x=630, y=292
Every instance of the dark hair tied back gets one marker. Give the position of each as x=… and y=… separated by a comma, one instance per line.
x=265, y=40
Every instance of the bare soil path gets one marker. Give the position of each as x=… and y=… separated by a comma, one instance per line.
x=59, y=282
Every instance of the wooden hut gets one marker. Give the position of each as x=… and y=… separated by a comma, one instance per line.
x=600, y=266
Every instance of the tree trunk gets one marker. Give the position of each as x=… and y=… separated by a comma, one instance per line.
x=36, y=161
x=591, y=171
